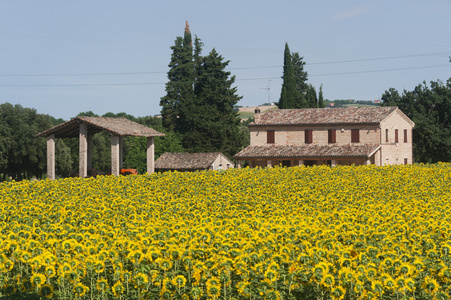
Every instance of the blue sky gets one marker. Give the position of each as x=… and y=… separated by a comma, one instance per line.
x=65, y=57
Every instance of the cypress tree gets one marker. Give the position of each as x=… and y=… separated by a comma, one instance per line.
x=179, y=99
x=288, y=93
x=199, y=99
x=312, y=101
x=300, y=77
x=320, y=97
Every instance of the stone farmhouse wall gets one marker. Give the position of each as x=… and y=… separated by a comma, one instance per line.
x=392, y=151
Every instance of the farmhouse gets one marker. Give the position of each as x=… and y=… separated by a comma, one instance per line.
x=332, y=136
x=193, y=161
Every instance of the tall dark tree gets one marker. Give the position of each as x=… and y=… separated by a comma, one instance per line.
x=311, y=98
x=288, y=93
x=199, y=100
x=321, y=103
x=179, y=99
x=300, y=77
x=216, y=126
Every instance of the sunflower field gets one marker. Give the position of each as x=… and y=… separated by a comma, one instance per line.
x=346, y=232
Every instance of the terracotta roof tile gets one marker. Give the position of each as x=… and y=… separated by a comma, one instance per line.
x=313, y=116
x=186, y=161
x=327, y=150
x=118, y=126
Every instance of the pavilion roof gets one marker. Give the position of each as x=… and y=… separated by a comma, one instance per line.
x=117, y=126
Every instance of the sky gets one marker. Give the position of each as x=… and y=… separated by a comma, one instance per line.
x=66, y=57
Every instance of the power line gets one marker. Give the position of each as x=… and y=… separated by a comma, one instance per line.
x=237, y=68
x=237, y=79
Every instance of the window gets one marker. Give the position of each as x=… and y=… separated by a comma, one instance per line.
x=405, y=161
x=396, y=136
x=270, y=137
x=405, y=135
x=332, y=136
x=308, y=136
x=386, y=135
x=355, y=136
x=309, y=163
x=286, y=163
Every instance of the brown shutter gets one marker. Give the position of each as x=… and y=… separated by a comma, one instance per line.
x=386, y=135
x=332, y=136
x=308, y=136
x=396, y=135
x=270, y=137
x=355, y=136
x=405, y=135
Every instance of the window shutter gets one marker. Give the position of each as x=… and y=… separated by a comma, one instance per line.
x=386, y=135
x=405, y=135
x=355, y=136
x=396, y=136
x=332, y=136
x=270, y=137
x=308, y=136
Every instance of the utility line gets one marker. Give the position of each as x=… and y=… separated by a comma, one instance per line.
x=237, y=79
x=237, y=68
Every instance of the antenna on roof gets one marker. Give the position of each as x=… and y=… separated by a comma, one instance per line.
x=269, y=90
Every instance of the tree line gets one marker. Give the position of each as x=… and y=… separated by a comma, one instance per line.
x=429, y=106
x=23, y=156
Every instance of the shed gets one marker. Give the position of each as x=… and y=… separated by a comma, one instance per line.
x=193, y=161
x=85, y=127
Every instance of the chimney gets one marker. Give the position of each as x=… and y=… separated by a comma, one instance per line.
x=257, y=116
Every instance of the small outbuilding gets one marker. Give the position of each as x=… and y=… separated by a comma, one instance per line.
x=186, y=162
x=85, y=127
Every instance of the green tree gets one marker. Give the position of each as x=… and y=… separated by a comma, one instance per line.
x=179, y=99
x=321, y=103
x=215, y=124
x=300, y=77
x=288, y=93
x=430, y=108
x=311, y=99
x=23, y=156
x=63, y=159
x=199, y=100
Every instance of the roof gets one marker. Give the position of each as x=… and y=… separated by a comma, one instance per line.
x=319, y=116
x=117, y=126
x=186, y=161
x=306, y=151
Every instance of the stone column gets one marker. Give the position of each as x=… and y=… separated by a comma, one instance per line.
x=150, y=155
x=333, y=163
x=115, y=154
x=51, y=157
x=269, y=163
x=121, y=152
x=89, y=160
x=301, y=162
x=83, y=151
